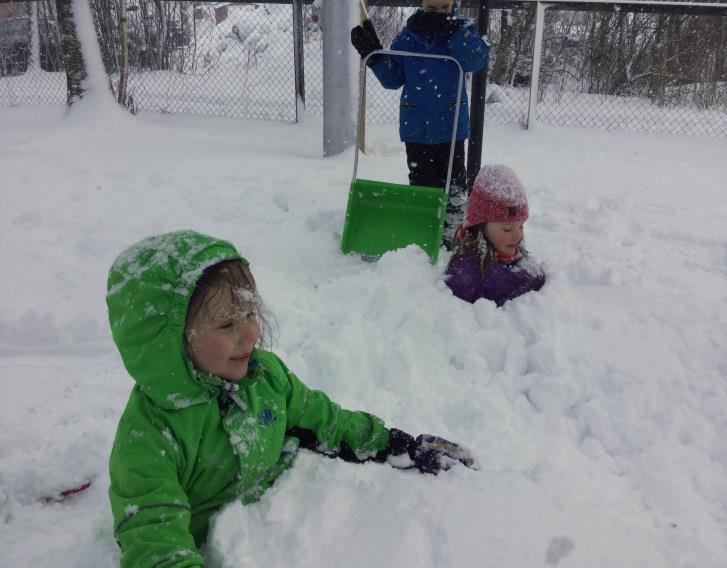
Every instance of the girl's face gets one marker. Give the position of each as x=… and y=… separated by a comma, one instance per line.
x=504, y=237
x=437, y=5
x=221, y=338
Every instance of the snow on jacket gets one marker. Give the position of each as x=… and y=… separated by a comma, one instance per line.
x=177, y=457
x=499, y=282
x=429, y=97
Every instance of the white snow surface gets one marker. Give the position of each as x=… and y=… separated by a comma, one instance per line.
x=595, y=408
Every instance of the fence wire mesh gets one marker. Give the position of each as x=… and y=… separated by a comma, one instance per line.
x=31, y=65
x=649, y=72
x=646, y=72
x=633, y=71
x=199, y=58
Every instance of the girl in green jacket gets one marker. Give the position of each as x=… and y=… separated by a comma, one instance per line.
x=213, y=417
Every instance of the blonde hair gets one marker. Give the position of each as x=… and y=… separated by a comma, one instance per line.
x=230, y=277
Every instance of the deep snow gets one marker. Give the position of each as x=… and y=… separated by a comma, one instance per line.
x=595, y=407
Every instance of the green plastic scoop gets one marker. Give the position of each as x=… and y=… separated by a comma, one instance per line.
x=383, y=216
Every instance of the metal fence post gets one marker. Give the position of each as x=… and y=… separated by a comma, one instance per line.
x=477, y=106
x=537, y=53
x=339, y=129
x=298, y=57
x=124, y=67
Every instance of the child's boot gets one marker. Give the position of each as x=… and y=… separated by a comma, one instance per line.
x=456, y=206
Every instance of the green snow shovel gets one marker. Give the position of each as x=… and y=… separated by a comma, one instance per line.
x=382, y=216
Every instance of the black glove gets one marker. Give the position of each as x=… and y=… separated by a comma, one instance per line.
x=431, y=24
x=427, y=453
x=453, y=24
x=365, y=40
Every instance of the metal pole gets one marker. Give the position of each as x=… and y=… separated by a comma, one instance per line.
x=537, y=53
x=298, y=58
x=337, y=18
x=477, y=108
x=124, y=67
x=361, y=128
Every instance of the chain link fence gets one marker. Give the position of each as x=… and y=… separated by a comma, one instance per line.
x=203, y=58
x=643, y=72
x=31, y=65
x=648, y=72
x=579, y=84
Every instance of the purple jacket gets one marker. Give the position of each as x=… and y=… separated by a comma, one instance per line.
x=500, y=282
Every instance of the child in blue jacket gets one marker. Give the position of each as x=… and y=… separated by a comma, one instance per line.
x=429, y=96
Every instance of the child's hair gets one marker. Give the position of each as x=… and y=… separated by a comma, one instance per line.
x=473, y=242
x=230, y=277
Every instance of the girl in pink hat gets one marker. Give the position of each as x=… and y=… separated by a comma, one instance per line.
x=490, y=261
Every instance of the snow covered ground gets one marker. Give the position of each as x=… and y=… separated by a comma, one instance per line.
x=596, y=407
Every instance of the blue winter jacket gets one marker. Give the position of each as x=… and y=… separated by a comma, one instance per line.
x=429, y=96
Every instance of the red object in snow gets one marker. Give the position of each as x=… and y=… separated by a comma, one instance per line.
x=67, y=493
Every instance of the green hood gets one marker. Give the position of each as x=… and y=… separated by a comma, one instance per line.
x=149, y=288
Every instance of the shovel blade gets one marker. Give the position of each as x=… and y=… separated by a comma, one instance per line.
x=383, y=216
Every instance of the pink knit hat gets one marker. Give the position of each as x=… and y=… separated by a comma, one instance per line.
x=498, y=196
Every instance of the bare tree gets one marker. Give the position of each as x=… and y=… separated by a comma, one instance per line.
x=387, y=21
x=514, y=50
x=505, y=46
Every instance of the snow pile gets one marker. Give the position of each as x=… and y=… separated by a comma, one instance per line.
x=595, y=407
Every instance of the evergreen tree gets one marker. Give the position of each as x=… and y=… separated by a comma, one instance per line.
x=72, y=55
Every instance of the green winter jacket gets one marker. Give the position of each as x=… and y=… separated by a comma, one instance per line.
x=177, y=456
